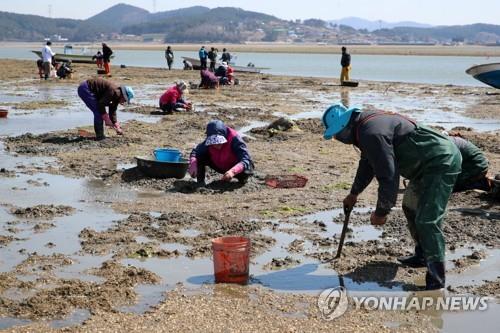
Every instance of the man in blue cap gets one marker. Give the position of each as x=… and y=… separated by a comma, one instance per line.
x=97, y=94
x=392, y=145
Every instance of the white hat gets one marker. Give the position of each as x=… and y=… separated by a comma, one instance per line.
x=215, y=139
x=181, y=85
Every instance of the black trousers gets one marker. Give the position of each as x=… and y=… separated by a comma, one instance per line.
x=203, y=63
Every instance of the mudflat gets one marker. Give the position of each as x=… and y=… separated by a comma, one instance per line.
x=171, y=211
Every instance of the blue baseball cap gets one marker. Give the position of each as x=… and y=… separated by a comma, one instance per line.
x=128, y=93
x=335, y=119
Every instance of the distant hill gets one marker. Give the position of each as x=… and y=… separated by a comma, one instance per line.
x=473, y=33
x=190, y=11
x=200, y=24
x=118, y=16
x=359, y=23
x=226, y=24
x=34, y=28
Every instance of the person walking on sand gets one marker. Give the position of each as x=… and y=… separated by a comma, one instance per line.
x=169, y=56
x=224, y=151
x=97, y=94
x=392, y=145
x=345, y=62
x=172, y=99
x=203, y=55
x=47, y=55
x=106, y=57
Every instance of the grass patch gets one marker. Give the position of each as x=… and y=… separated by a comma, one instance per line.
x=337, y=186
x=297, y=170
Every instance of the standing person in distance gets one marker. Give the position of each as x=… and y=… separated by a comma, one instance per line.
x=226, y=56
x=212, y=55
x=47, y=55
x=203, y=55
x=345, y=62
x=169, y=56
x=106, y=57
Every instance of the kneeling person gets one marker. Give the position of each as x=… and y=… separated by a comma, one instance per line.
x=224, y=151
x=172, y=98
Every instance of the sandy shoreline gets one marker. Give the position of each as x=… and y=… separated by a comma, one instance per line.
x=438, y=50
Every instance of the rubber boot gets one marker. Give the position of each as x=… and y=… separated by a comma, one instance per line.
x=99, y=130
x=416, y=260
x=435, y=277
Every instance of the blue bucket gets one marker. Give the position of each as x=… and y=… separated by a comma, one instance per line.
x=167, y=154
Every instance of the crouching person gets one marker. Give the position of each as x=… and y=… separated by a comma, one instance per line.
x=208, y=80
x=98, y=94
x=172, y=99
x=474, y=167
x=224, y=151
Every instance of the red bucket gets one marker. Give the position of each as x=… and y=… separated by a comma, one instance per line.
x=231, y=259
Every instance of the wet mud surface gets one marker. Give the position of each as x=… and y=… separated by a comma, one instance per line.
x=42, y=211
x=175, y=219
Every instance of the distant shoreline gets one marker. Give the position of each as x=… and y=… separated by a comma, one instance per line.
x=414, y=50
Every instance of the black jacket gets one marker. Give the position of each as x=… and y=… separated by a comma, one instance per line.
x=106, y=53
x=346, y=60
x=377, y=138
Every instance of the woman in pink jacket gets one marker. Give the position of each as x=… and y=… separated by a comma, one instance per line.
x=224, y=151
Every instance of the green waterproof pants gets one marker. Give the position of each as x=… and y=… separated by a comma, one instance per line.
x=432, y=163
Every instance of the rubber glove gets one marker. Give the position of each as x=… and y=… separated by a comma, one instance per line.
x=193, y=167
x=237, y=169
x=107, y=120
x=228, y=176
x=378, y=220
x=118, y=128
x=350, y=201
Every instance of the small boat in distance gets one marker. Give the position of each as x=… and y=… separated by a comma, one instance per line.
x=68, y=55
x=243, y=69
x=486, y=73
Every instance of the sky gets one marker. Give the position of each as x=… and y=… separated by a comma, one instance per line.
x=435, y=12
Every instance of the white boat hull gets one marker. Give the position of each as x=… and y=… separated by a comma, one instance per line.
x=486, y=73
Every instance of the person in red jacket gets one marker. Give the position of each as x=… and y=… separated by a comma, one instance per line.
x=230, y=74
x=172, y=99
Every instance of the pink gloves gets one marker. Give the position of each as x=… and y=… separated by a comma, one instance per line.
x=109, y=123
x=107, y=120
x=237, y=169
x=193, y=167
x=118, y=128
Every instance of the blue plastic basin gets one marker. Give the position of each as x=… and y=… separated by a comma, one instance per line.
x=167, y=154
